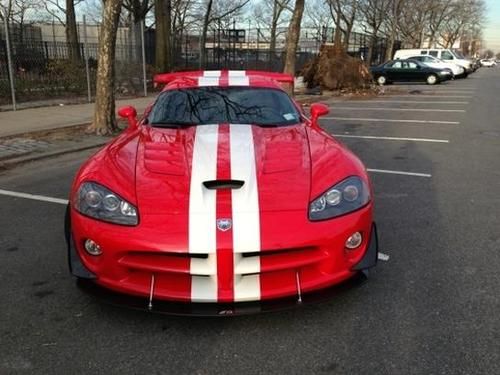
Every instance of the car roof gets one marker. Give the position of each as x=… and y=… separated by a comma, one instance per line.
x=223, y=78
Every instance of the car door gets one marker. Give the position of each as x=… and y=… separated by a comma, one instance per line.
x=413, y=71
x=394, y=71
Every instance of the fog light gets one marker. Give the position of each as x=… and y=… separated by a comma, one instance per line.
x=92, y=248
x=354, y=241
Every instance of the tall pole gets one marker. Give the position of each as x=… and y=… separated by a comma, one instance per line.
x=86, y=57
x=9, y=62
x=143, y=47
x=54, y=48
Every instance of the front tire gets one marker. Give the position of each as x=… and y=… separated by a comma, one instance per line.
x=382, y=80
x=431, y=79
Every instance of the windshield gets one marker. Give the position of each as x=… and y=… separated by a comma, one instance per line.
x=215, y=105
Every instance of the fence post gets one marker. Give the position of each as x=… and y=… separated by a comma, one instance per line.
x=143, y=49
x=9, y=62
x=86, y=57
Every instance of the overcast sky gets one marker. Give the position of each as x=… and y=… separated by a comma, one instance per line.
x=492, y=31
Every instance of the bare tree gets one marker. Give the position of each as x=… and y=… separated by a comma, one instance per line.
x=163, y=20
x=278, y=7
x=292, y=38
x=344, y=14
x=138, y=9
x=19, y=13
x=439, y=12
x=216, y=11
x=463, y=15
x=71, y=32
x=393, y=23
x=66, y=15
x=374, y=13
x=104, y=115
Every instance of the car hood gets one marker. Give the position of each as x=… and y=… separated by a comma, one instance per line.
x=173, y=167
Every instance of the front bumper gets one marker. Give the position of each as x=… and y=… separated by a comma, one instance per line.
x=330, y=269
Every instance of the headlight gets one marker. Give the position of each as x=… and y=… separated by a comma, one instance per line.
x=347, y=196
x=96, y=201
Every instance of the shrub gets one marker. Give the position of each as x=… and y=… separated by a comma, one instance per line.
x=334, y=69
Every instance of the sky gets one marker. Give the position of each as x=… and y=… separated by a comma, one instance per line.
x=492, y=26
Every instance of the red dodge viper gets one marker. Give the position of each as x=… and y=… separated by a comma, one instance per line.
x=222, y=198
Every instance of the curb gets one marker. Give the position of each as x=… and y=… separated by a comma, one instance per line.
x=9, y=163
x=34, y=133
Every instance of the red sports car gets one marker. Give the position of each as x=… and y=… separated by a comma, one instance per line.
x=224, y=197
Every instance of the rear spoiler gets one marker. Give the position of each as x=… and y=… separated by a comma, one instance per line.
x=166, y=78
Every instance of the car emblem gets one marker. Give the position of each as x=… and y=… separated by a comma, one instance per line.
x=224, y=224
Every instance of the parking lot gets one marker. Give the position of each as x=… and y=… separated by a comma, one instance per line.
x=431, y=308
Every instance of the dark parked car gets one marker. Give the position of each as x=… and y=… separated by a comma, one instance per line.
x=408, y=71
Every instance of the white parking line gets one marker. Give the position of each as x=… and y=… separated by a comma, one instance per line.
x=461, y=91
x=392, y=138
x=426, y=96
x=35, y=197
x=392, y=120
x=397, y=109
x=386, y=171
x=405, y=102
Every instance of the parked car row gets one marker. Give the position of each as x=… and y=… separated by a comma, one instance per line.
x=488, y=63
x=431, y=66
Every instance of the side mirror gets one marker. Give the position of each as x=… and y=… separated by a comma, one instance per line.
x=128, y=112
x=318, y=110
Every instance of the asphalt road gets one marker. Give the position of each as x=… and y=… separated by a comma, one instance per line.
x=433, y=308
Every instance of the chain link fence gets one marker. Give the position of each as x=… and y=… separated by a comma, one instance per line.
x=44, y=70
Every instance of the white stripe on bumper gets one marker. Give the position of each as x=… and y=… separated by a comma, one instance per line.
x=202, y=212
x=246, y=214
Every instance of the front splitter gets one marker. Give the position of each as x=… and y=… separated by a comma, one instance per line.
x=215, y=309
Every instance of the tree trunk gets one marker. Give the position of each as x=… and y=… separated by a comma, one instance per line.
x=371, y=47
x=104, y=115
x=389, y=51
x=163, y=37
x=274, y=26
x=292, y=38
x=72, y=32
x=203, y=39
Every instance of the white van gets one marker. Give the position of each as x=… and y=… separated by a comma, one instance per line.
x=447, y=55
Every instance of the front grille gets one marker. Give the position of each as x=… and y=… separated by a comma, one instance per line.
x=245, y=264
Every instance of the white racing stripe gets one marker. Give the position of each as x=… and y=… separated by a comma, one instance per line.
x=238, y=78
x=209, y=78
x=35, y=197
x=212, y=73
x=387, y=171
x=392, y=138
x=246, y=215
x=202, y=214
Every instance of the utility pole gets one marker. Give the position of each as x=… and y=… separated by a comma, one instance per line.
x=9, y=61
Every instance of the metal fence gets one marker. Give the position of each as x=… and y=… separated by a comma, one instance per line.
x=41, y=69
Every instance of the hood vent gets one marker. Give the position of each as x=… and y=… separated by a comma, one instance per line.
x=223, y=184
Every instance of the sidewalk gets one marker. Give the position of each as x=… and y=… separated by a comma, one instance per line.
x=35, y=119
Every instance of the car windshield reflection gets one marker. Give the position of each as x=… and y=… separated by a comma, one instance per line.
x=215, y=105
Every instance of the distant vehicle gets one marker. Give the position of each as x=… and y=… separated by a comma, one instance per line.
x=408, y=71
x=488, y=63
x=434, y=62
x=447, y=55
